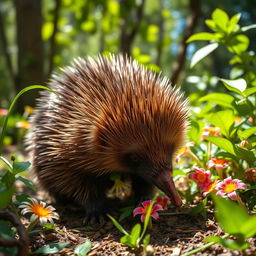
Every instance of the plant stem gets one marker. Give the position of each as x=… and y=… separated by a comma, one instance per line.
x=32, y=224
x=203, y=247
x=194, y=157
x=240, y=202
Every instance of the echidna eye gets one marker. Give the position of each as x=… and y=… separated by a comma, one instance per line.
x=131, y=159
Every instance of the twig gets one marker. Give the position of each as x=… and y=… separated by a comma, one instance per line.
x=23, y=241
x=195, y=10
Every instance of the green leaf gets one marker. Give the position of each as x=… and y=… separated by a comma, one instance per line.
x=222, y=119
x=6, y=196
x=27, y=182
x=202, y=36
x=126, y=240
x=221, y=99
x=211, y=24
x=239, y=44
x=127, y=211
x=118, y=226
x=146, y=240
x=203, y=52
x=135, y=233
x=83, y=249
x=222, y=143
x=230, y=215
x=194, y=131
x=220, y=18
x=249, y=91
x=249, y=227
x=246, y=28
x=51, y=248
x=246, y=133
x=233, y=22
x=20, y=166
x=238, y=85
x=228, y=243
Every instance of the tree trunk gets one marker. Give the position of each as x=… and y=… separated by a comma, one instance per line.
x=30, y=48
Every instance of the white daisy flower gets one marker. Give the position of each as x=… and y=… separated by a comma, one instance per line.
x=39, y=211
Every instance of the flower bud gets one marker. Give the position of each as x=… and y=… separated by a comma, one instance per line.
x=245, y=144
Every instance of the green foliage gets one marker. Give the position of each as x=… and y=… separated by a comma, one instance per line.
x=235, y=221
x=83, y=249
x=51, y=248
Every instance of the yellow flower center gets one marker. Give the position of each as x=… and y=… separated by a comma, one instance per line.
x=40, y=210
x=230, y=187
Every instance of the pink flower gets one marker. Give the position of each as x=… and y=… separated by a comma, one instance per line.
x=184, y=151
x=228, y=187
x=210, y=187
x=3, y=112
x=218, y=163
x=163, y=201
x=143, y=210
x=201, y=176
x=210, y=131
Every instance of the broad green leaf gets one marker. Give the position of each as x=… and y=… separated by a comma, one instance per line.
x=126, y=240
x=220, y=18
x=222, y=143
x=246, y=133
x=194, y=131
x=221, y=99
x=244, y=107
x=118, y=226
x=249, y=91
x=245, y=154
x=233, y=22
x=230, y=215
x=238, y=85
x=248, y=27
x=51, y=248
x=135, y=234
x=27, y=182
x=203, y=52
x=83, y=249
x=211, y=24
x=249, y=227
x=202, y=36
x=222, y=119
x=20, y=166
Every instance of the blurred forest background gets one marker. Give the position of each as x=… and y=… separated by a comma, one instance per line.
x=38, y=36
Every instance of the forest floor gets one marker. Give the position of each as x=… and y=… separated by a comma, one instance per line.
x=173, y=234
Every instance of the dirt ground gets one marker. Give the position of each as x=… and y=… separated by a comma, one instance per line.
x=173, y=234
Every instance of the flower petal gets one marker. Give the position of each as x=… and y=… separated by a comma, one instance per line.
x=155, y=215
x=138, y=210
x=232, y=195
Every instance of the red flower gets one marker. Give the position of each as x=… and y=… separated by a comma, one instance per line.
x=143, y=210
x=218, y=163
x=3, y=112
x=163, y=201
x=201, y=176
x=210, y=131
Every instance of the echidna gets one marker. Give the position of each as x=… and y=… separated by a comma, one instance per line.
x=109, y=114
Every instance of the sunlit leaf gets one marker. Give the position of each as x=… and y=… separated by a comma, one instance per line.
x=230, y=215
x=222, y=143
x=135, y=234
x=27, y=182
x=246, y=133
x=220, y=18
x=238, y=85
x=221, y=99
x=233, y=22
x=118, y=226
x=202, y=36
x=203, y=52
x=222, y=119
